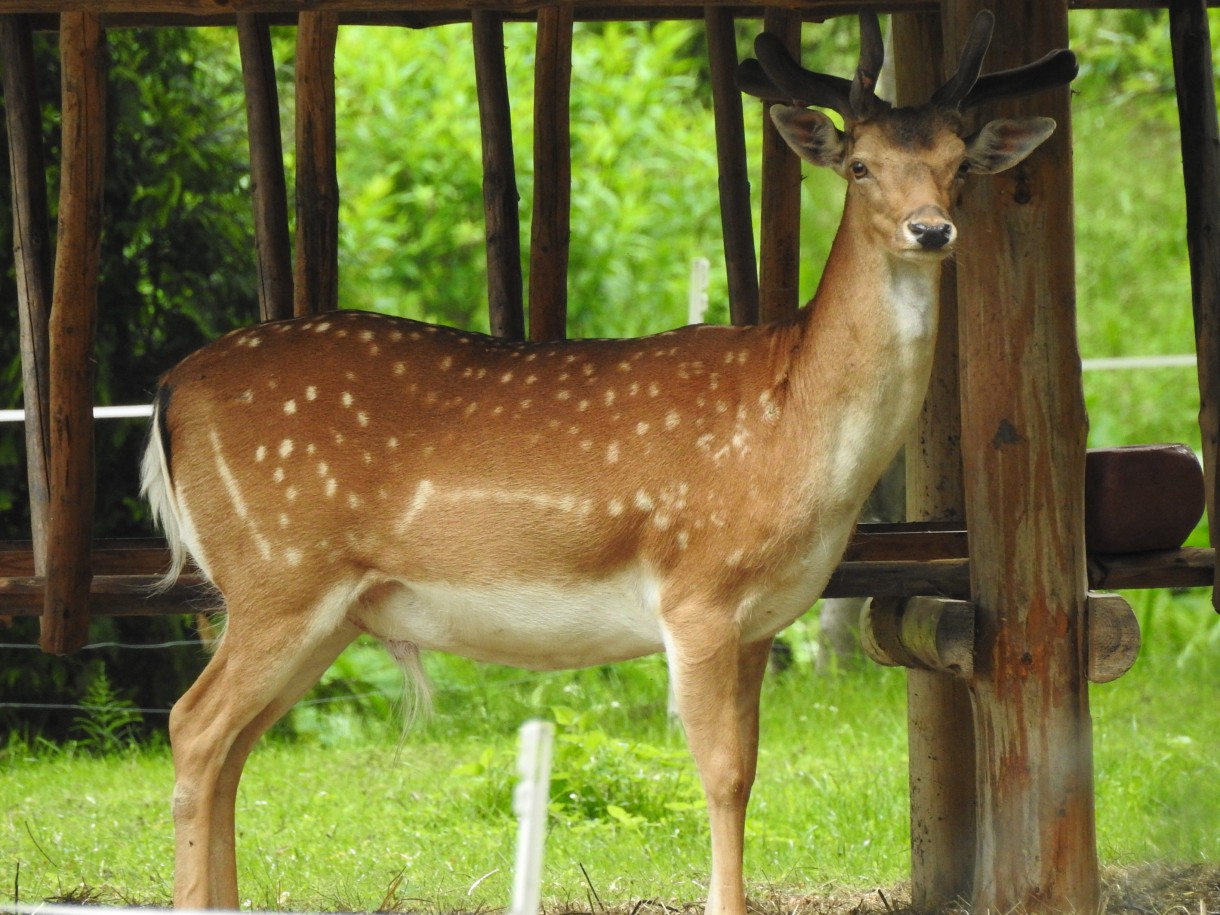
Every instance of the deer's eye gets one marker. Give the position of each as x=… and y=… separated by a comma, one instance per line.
x=964, y=169
x=858, y=169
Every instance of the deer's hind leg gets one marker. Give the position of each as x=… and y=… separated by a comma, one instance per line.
x=268, y=657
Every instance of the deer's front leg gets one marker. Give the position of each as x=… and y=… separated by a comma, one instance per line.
x=717, y=682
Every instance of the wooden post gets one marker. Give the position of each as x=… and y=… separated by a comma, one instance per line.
x=503, y=225
x=32, y=254
x=940, y=729
x=65, y=621
x=1023, y=450
x=551, y=228
x=736, y=219
x=1193, y=75
x=317, y=264
x=780, y=245
x=271, y=239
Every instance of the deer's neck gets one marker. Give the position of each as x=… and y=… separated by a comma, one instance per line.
x=864, y=358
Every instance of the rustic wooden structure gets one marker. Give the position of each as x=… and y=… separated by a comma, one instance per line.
x=1001, y=628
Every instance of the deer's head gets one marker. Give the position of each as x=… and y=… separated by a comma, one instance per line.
x=903, y=164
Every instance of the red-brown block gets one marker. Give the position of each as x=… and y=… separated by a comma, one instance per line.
x=1141, y=497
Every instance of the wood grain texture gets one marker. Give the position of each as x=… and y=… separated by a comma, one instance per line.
x=550, y=231
x=32, y=260
x=269, y=193
x=316, y=276
x=1023, y=445
x=65, y=621
x=505, y=296
x=1193, y=75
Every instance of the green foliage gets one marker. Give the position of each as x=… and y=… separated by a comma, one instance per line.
x=176, y=262
x=426, y=821
x=596, y=778
x=643, y=162
x=110, y=722
x=176, y=269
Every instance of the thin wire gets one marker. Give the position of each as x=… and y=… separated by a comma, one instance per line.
x=98, y=645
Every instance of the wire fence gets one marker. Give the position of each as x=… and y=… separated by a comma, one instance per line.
x=143, y=411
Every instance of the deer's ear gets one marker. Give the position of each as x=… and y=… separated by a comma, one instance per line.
x=811, y=134
x=1002, y=144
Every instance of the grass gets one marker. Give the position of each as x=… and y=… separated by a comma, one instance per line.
x=429, y=826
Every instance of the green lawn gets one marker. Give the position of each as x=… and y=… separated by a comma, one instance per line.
x=347, y=815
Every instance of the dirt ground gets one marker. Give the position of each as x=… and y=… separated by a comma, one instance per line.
x=1144, y=890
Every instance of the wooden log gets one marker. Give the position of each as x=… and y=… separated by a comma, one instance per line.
x=117, y=595
x=550, y=232
x=32, y=255
x=903, y=561
x=780, y=242
x=21, y=595
x=1114, y=637
x=736, y=216
x=1185, y=568
x=505, y=298
x=941, y=577
x=65, y=620
x=1023, y=447
x=424, y=13
x=928, y=633
x=940, y=732
x=125, y=556
x=1193, y=76
x=935, y=634
x=316, y=276
x=268, y=188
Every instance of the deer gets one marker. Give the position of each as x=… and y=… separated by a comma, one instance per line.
x=562, y=504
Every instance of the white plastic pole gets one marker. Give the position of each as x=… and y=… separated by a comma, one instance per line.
x=696, y=308
x=529, y=804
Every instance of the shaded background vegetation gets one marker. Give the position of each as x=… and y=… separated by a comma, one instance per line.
x=177, y=250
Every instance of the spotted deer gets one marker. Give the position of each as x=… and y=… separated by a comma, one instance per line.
x=556, y=505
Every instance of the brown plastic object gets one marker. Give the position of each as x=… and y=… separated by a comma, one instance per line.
x=1141, y=497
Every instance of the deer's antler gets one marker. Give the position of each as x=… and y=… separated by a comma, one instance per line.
x=776, y=76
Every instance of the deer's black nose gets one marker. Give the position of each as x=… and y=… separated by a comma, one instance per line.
x=932, y=236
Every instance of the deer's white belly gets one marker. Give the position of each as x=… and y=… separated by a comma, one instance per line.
x=535, y=625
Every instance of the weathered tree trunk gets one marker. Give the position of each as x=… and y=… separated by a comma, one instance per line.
x=1023, y=449
x=32, y=254
x=1193, y=75
x=505, y=299
x=780, y=246
x=270, y=196
x=317, y=264
x=940, y=728
x=736, y=218
x=65, y=621
x=550, y=232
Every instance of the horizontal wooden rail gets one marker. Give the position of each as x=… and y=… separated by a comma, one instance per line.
x=882, y=560
x=425, y=13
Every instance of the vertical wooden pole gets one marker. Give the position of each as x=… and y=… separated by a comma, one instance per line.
x=271, y=238
x=780, y=245
x=32, y=254
x=1193, y=75
x=505, y=300
x=736, y=219
x=551, y=228
x=1023, y=449
x=940, y=729
x=316, y=275
x=65, y=620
